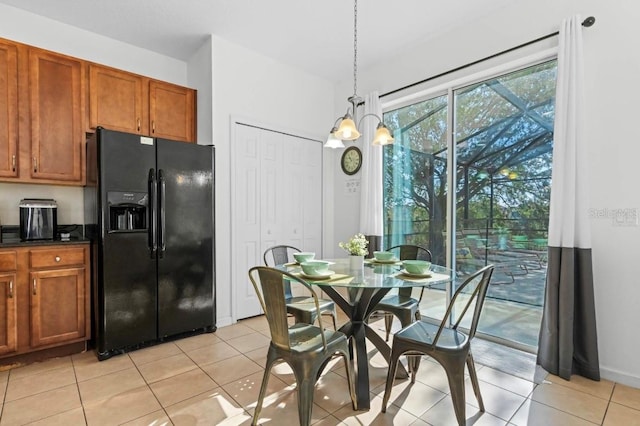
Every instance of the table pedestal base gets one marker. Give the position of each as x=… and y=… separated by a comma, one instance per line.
x=362, y=303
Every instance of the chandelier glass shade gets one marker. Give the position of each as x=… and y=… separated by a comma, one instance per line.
x=333, y=141
x=382, y=136
x=347, y=130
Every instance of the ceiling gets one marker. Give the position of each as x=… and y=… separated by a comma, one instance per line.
x=313, y=35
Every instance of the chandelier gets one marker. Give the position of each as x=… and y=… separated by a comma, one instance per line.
x=344, y=128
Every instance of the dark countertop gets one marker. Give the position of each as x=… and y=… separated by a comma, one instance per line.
x=10, y=237
x=18, y=243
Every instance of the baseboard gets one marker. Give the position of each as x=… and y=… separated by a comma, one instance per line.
x=620, y=377
x=225, y=321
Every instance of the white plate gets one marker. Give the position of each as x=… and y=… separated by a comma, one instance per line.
x=322, y=276
x=409, y=274
x=394, y=260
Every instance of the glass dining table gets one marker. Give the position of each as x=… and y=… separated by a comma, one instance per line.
x=356, y=292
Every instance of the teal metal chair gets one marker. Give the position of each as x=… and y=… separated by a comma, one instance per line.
x=305, y=347
x=301, y=308
x=401, y=304
x=446, y=344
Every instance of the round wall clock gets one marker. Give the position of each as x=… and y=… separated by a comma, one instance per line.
x=351, y=160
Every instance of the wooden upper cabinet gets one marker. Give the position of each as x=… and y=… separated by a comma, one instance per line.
x=57, y=91
x=172, y=111
x=8, y=110
x=117, y=100
x=127, y=102
x=44, y=115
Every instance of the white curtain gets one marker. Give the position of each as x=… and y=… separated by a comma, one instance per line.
x=568, y=339
x=371, y=174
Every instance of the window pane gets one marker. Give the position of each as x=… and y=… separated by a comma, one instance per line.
x=504, y=141
x=415, y=177
x=503, y=137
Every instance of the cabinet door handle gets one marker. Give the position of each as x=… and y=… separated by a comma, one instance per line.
x=10, y=289
x=57, y=258
x=153, y=126
x=138, y=124
x=13, y=162
x=35, y=286
x=35, y=164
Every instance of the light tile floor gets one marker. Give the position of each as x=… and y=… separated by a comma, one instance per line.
x=213, y=379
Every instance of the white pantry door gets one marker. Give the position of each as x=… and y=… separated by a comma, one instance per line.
x=276, y=199
x=245, y=217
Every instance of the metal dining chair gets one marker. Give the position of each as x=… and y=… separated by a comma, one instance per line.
x=401, y=304
x=301, y=308
x=446, y=344
x=306, y=348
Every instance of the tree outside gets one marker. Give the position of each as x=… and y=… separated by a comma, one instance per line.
x=503, y=136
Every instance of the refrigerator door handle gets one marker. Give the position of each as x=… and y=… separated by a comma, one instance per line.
x=153, y=218
x=162, y=247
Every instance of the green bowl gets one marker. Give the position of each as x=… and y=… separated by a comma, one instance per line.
x=303, y=256
x=315, y=267
x=383, y=255
x=420, y=267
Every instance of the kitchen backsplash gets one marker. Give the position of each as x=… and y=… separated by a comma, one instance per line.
x=69, y=200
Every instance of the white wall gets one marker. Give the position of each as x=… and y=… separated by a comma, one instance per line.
x=34, y=30
x=612, y=62
x=199, y=73
x=251, y=86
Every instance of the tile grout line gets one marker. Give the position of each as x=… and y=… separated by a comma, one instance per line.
x=150, y=390
x=519, y=407
x=4, y=397
x=220, y=385
x=4, y=402
x=562, y=410
x=75, y=375
x=606, y=410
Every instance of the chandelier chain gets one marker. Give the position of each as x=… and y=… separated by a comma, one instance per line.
x=355, y=47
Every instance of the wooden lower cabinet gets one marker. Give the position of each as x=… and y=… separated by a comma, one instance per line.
x=8, y=328
x=44, y=300
x=51, y=290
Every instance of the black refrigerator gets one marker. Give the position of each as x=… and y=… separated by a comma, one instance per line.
x=149, y=212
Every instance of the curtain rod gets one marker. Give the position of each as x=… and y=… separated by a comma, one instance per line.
x=586, y=23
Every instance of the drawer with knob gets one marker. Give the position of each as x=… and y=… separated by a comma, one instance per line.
x=55, y=257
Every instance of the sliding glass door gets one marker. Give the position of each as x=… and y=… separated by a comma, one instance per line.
x=500, y=133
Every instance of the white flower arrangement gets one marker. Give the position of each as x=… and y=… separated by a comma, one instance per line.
x=356, y=246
